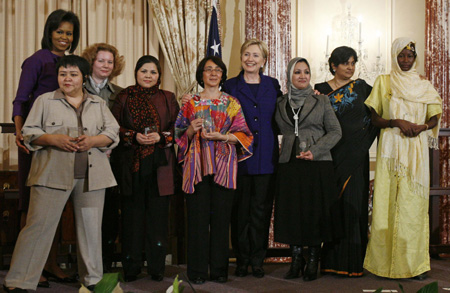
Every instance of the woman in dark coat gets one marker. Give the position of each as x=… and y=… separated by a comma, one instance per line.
x=305, y=178
x=252, y=209
x=146, y=162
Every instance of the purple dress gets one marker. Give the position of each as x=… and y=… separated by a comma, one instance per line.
x=38, y=77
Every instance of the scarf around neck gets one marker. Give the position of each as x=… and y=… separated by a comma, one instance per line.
x=143, y=114
x=408, y=156
x=98, y=86
x=296, y=96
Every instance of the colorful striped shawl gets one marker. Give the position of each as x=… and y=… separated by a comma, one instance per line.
x=203, y=157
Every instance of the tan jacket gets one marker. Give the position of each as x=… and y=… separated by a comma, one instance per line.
x=53, y=167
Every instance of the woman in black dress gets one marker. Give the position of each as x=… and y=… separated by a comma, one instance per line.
x=351, y=163
x=305, y=190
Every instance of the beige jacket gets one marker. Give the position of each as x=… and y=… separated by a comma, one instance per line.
x=53, y=167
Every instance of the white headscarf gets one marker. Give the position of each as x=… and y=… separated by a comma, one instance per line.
x=408, y=156
x=408, y=86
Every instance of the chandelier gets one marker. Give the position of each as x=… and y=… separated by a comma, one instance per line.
x=347, y=31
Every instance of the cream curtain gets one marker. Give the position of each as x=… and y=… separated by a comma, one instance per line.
x=182, y=31
x=125, y=24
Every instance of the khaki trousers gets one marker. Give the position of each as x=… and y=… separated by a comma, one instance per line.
x=35, y=240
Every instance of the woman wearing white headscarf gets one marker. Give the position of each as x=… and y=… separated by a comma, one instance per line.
x=408, y=110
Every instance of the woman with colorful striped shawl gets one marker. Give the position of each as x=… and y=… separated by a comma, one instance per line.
x=212, y=136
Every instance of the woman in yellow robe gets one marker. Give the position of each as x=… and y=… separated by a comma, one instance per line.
x=407, y=109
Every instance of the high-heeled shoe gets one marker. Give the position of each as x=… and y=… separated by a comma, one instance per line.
x=297, y=264
x=51, y=276
x=313, y=263
x=421, y=277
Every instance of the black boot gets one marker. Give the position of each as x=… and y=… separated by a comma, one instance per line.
x=297, y=264
x=312, y=264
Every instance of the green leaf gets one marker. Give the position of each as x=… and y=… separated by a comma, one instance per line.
x=176, y=286
x=379, y=290
x=107, y=283
x=430, y=288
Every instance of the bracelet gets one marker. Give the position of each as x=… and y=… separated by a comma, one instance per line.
x=228, y=137
x=426, y=126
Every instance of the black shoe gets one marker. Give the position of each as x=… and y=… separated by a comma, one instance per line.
x=130, y=278
x=51, y=276
x=44, y=284
x=198, y=280
x=157, y=277
x=91, y=288
x=258, y=272
x=221, y=279
x=297, y=264
x=15, y=290
x=313, y=263
x=421, y=277
x=241, y=271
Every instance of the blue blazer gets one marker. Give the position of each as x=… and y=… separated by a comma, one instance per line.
x=259, y=114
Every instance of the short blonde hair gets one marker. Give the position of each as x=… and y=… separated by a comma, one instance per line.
x=262, y=46
x=90, y=54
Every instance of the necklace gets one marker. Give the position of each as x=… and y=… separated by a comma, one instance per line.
x=296, y=119
x=336, y=85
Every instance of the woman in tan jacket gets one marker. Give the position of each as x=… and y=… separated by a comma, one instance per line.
x=69, y=131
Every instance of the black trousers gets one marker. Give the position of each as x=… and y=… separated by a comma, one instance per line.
x=208, y=219
x=110, y=226
x=251, y=218
x=145, y=217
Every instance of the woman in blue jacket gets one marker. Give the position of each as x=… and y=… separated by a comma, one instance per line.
x=257, y=94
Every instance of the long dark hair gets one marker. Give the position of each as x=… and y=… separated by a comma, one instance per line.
x=53, y=22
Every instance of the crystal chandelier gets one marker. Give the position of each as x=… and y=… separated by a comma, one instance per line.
x=347, y=31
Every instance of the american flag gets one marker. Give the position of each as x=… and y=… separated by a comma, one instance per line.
x=214, y=48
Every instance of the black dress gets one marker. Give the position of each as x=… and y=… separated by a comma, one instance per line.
x=351, y=162
x=304, y=201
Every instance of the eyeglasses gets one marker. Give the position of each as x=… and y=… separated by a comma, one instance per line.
x=211, y=70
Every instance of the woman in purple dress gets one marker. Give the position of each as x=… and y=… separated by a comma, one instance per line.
x=39, y=76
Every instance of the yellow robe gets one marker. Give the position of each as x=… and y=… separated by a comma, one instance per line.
x=399, y=241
